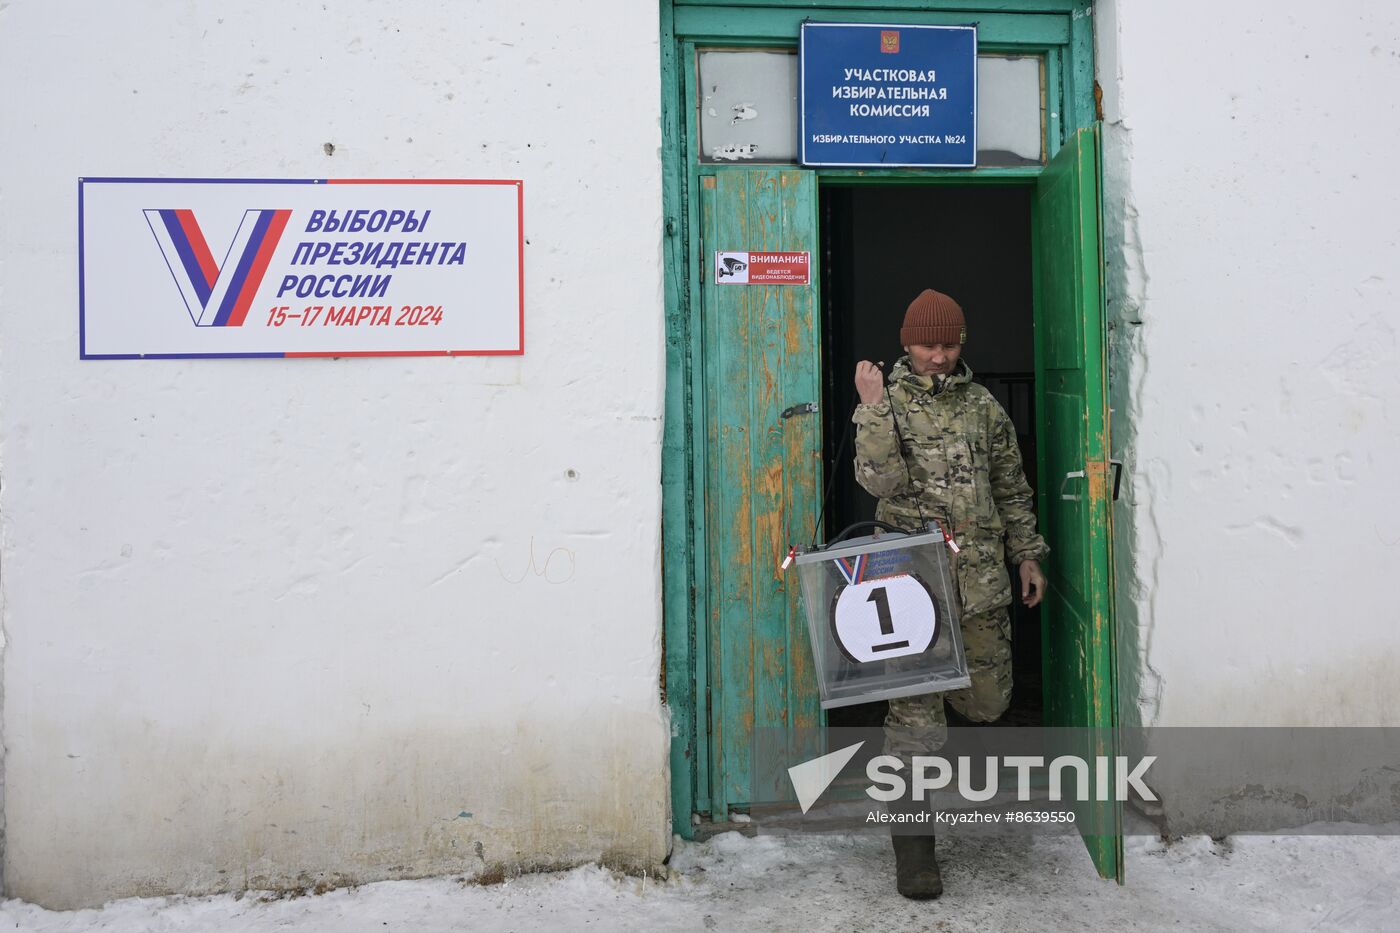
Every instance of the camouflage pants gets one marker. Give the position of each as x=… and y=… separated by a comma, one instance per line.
x=917, y=725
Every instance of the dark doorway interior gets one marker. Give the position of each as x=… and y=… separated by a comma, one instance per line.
x=882, y=245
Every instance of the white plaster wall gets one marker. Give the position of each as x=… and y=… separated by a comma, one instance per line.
x=1253, y=219
x=281, y=622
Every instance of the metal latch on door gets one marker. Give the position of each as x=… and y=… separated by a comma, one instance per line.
x=804, y=408
x=1117, y=466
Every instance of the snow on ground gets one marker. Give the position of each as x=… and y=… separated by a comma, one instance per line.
x=810, y=882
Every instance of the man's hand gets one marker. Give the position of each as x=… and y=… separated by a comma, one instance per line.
x=870, y=382
x=1032, y=583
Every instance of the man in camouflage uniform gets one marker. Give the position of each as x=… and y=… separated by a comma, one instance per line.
x=961, y=467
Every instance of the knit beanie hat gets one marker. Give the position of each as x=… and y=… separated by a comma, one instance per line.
x=932, y=318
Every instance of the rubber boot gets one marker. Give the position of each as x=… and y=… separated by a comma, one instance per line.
x=915, y=868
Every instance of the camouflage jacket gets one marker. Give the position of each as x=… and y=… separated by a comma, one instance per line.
x=960, y=465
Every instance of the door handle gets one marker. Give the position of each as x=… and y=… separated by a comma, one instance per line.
x=1117, y=466
x=803, y=408
x=1074, y=474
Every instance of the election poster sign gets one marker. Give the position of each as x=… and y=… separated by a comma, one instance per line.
x=888, y=95
x=192, y=268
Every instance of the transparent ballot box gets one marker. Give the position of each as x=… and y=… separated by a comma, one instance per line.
x=882, y=614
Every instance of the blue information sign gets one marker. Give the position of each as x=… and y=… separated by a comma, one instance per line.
x=889, y=95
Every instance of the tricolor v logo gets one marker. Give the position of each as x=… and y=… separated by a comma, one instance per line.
x=217, y=295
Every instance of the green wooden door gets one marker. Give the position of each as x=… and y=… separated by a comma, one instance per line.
x=760, y=475
x=1071, y=377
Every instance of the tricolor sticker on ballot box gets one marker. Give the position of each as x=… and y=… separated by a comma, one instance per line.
x=750, y=267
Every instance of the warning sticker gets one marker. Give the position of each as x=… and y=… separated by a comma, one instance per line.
x=746, y=267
